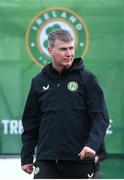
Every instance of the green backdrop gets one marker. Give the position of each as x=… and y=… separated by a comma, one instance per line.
x=104, y=57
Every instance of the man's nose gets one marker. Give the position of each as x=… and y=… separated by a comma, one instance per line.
x=68, y=52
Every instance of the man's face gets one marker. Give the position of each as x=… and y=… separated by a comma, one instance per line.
x=62, y=53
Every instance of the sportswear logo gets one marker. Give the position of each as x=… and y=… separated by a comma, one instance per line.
x=90, y=176
x=37, y=169
x=72, y=86
x=46, y=88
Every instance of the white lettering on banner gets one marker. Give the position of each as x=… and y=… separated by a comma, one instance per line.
x=35, y=28
x=46, y=16
x=12, y=126
x=73, y=19
x=53, y=14
x=63, y=15
x=39, y=21
x=109, y=129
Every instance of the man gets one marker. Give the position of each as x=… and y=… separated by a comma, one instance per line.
x=65, y=115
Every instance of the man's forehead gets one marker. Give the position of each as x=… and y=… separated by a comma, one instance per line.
x=63, y=43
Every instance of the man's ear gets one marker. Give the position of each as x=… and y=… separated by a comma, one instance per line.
x=50, y=51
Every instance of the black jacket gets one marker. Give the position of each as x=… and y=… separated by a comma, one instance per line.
x=63, y=113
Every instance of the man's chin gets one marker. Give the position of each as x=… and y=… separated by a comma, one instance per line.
x=68, y=64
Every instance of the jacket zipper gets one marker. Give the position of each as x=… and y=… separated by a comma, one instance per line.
x=58, y=102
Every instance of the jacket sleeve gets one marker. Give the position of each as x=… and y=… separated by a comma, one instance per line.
x=102, y=152
x=97, y=111
x=30, y=127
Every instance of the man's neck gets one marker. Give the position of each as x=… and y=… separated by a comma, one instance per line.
x=59, y=69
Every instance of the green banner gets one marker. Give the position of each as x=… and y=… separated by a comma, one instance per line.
x=98, y=29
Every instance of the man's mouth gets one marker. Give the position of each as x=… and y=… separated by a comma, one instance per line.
x=67, y=60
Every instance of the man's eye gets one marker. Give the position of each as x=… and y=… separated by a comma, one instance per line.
x=63, y=49
x=71, y=48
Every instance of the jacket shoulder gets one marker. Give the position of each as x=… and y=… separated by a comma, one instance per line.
x=88, y=75
x=36, y=81
x=42, y=74
x=37, y=77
